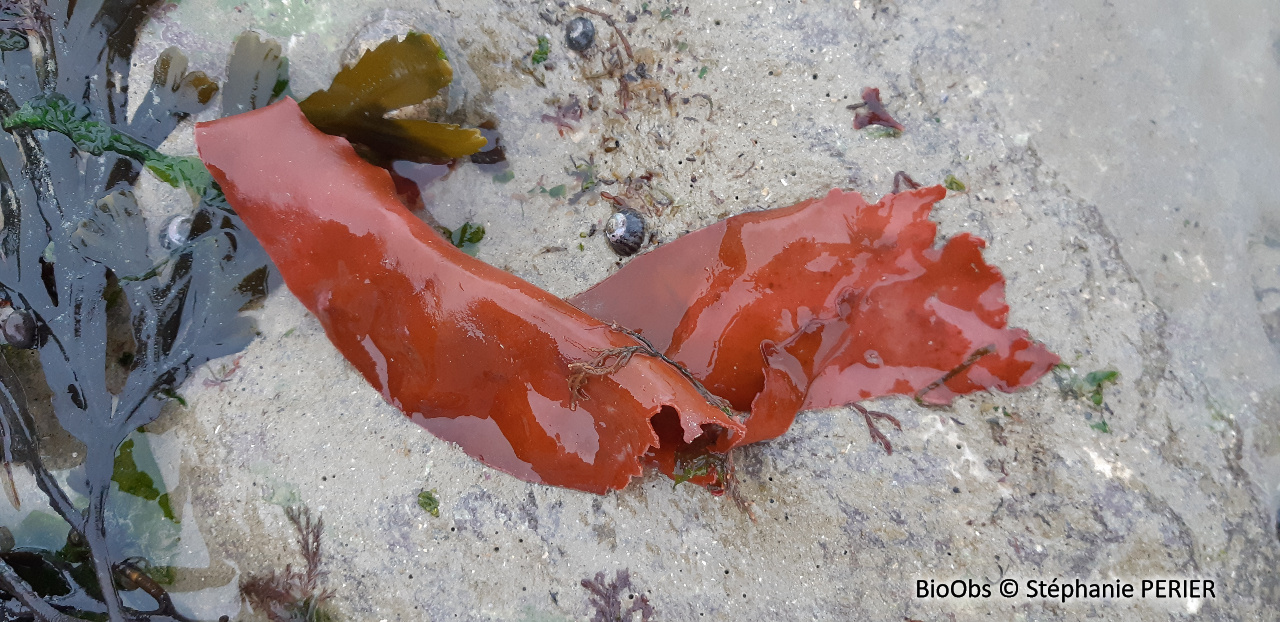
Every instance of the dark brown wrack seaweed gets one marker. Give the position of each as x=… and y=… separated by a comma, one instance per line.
x=103, y=323
x=106, y=324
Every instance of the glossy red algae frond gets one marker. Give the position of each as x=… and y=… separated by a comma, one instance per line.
x=474, y=354
x=827, y=302
x=824, y=303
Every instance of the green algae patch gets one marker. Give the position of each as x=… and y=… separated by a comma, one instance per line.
x=540, y=55
x=429, y=503
x=467, y=237
x=137, y=482
x=1087, y=386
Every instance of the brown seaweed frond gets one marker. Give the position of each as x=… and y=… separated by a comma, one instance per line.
x=607, y=598
x=309, y=533
x=291, y=595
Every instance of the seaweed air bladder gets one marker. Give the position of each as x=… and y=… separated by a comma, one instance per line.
x=701, y=345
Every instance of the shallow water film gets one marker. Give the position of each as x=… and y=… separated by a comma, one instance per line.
x=184, y=430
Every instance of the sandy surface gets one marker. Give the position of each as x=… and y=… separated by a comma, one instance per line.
x=1115, y=158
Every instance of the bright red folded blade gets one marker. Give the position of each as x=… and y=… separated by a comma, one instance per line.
x=474, y=354
x=827, y=302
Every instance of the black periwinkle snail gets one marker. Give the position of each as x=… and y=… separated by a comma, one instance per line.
x=625, y=231
x=579, y=34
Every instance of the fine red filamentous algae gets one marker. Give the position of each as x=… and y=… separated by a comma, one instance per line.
x=744, y=323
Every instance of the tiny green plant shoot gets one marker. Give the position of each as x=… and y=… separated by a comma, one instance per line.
x=953, y=184
x=1088, y=387
x=555, y=192
x=466, y=237
x=689, y=467
x=585, y=173
x=540, y=55
x=429, y=503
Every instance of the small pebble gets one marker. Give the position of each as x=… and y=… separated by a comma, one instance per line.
x=579, y=34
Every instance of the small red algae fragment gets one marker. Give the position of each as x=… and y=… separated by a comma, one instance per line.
x=475, y=355
x=565, y=116
x=902, y=180
x=872, y=112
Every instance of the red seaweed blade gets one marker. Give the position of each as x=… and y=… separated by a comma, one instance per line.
x=827, y=302
x=474, y=354
x=824, y=303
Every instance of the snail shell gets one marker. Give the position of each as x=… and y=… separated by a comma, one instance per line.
x=625, y=231
x=17, y=328
x=176, y=231
x=579, y=34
